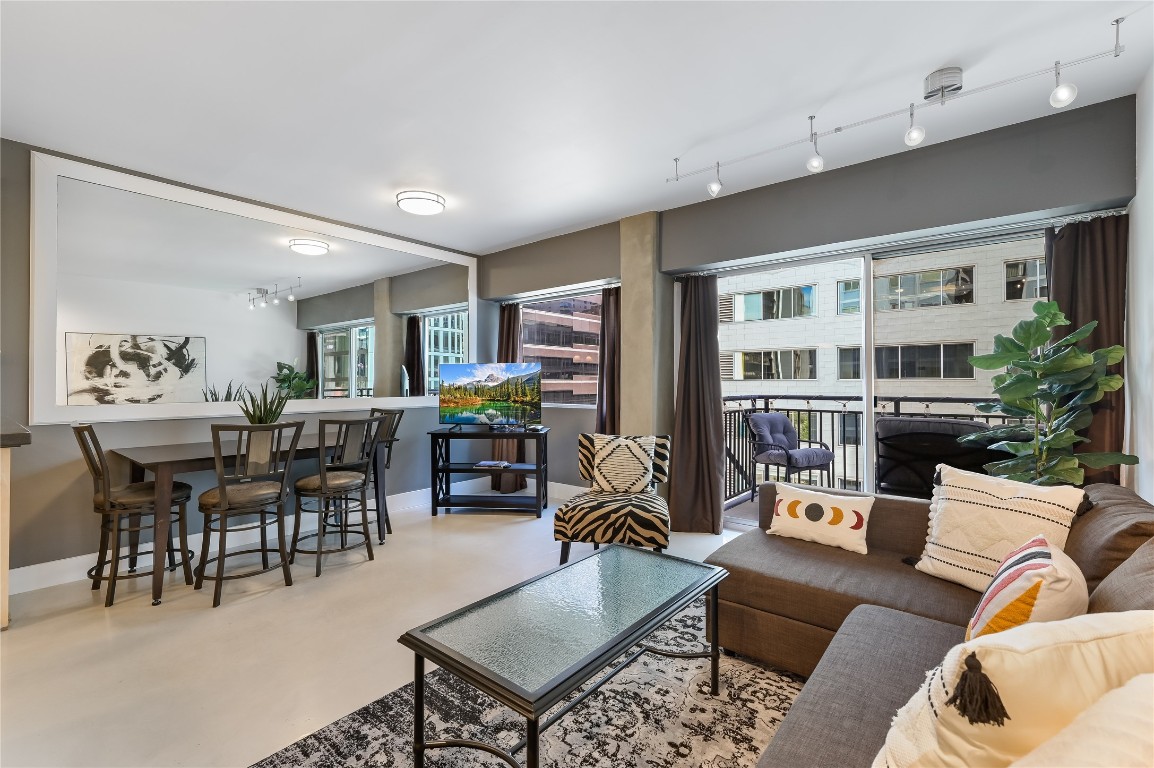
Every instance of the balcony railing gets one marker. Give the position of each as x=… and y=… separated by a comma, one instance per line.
x=835, y=420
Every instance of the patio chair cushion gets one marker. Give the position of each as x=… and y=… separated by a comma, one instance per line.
x=810, y=457
x=142, y=494
x=639, y=519
x=242, y=495
x=337, y=481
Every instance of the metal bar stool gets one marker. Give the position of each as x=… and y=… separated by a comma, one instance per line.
x=381, y=463
x=246, y=487
x=347, y=448
x=134, y=502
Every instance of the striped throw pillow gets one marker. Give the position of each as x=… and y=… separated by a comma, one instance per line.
x=976, y=520
x=1036, y=582
x=623, y=463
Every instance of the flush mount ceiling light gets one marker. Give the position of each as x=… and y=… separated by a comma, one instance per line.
x=420, y=203
x=309, y=247
x=916, y=134
x=816, y=163
x=714, y=187
x=941, y=86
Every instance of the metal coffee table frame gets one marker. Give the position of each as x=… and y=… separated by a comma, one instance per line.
x=532, y=705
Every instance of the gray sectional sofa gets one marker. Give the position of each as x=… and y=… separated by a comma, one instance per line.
x=866, y=628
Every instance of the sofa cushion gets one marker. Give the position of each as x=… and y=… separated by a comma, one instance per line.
x=1100, y=540
x=837, y=521
x=843, y=713
x=820, y=585
x=1130, y=586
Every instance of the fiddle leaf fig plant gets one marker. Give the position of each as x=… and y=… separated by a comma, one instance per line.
x=296, y=383
x=1051, y=386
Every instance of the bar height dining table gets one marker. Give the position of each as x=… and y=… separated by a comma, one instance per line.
x=167, y=461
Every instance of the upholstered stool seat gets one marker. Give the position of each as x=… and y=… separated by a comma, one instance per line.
x=241, y=495
x=621, y=507
x=137, y=494
x=338, y=481
x=595, y=517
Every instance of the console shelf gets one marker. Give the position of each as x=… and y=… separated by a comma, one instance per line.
x=443, y=469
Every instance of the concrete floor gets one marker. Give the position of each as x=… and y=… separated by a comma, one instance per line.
x=183, y=684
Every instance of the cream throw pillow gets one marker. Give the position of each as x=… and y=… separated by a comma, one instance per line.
x=1045, y=673
x=838, y=521
x=976, y=520
x=1115, y=732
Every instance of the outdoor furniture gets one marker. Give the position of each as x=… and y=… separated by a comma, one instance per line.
x=603, y=517
x=532, y=645
x=381, y=463
x=340, y=488
x=122, y=510
x=775, y=443
x=253, y=479
x=909, y=449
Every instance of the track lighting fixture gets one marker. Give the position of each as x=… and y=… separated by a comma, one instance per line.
x=916, y=134
x=714, y=187
x=816, y=163
x=275, y=294
x=1063, y=93
x=941, y=86
x=261, y=297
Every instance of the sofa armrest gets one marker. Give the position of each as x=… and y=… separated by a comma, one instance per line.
x=896, y=524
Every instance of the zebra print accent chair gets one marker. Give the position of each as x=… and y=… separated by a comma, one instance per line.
x=639, y=518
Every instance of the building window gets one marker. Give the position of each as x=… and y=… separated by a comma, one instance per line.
x=775, y=364
x=1026, y=280
x=932, y=288
x=849, y=485
x=849, y=428
x=849, y=362
x=446, y=338
x=346, y=357
x=564, y=336
x=925, y=361
x=776, y=304
x=848, y=297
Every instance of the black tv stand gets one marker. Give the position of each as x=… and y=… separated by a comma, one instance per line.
x=443, y=468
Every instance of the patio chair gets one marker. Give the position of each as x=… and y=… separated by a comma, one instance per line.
x=909, y=449
x=775, y=443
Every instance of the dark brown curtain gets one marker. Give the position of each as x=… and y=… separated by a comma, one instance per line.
x=312, y=360
x=415, y=356
x=698, y=439
x=1086, y=270
x=609, y=364
x=509, y=351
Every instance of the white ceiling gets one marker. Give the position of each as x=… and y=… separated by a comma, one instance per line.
x=106, y=232
x=532, y=119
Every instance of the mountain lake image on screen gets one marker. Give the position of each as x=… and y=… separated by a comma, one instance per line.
x=490, y=393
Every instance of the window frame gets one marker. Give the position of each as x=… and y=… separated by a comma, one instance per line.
x=349, y=331
x=840, y=309
x=579, y=341
x=914, y=276
x=778, y=351
x=941, y=345
x=431, y=376
x=739, y=301
x=1042, y=275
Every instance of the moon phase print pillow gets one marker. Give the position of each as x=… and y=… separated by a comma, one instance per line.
x=837, y=521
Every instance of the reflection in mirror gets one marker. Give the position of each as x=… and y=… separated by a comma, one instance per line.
x=169, y=295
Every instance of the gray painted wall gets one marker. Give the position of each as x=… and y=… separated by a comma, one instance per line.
x=440, y=286
x=343, y=306
x=15, y=245
x=565, y=423
x=1081, y=157
x=581, y=257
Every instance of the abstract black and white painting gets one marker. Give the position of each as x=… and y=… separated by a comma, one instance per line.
x=111, y=369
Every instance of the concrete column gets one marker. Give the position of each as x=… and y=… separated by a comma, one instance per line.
x=390, y=353
x=646, y=330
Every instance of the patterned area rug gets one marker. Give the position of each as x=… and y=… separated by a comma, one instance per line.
x=655, y=713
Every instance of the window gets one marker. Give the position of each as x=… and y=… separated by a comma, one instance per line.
x=848, y=297
x=346, y=356
x=849, y=428
x=1026, y=280
x=446, y=336
x=925, y=361
x=776, y=304
x=779, y=364
x=849, y=362
x=932, y=288
x=849, y=485
x=564, y=336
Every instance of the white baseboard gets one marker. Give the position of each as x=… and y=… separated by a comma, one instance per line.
x=70, y=569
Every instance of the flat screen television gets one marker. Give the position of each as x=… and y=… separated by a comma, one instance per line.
x=487, y=394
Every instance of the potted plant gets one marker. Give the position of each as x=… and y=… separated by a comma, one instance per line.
x=265, y=409
x=230, y=393
x=295, y=383
x=1050, y=386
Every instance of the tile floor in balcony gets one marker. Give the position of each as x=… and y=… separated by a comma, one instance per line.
x=183, y=684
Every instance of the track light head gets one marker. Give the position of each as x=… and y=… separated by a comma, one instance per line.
x=714, y=187
x=916, y=134
x=1064, y=93
x=816, y=163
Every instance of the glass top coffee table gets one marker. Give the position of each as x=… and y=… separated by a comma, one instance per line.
x=532, y=645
